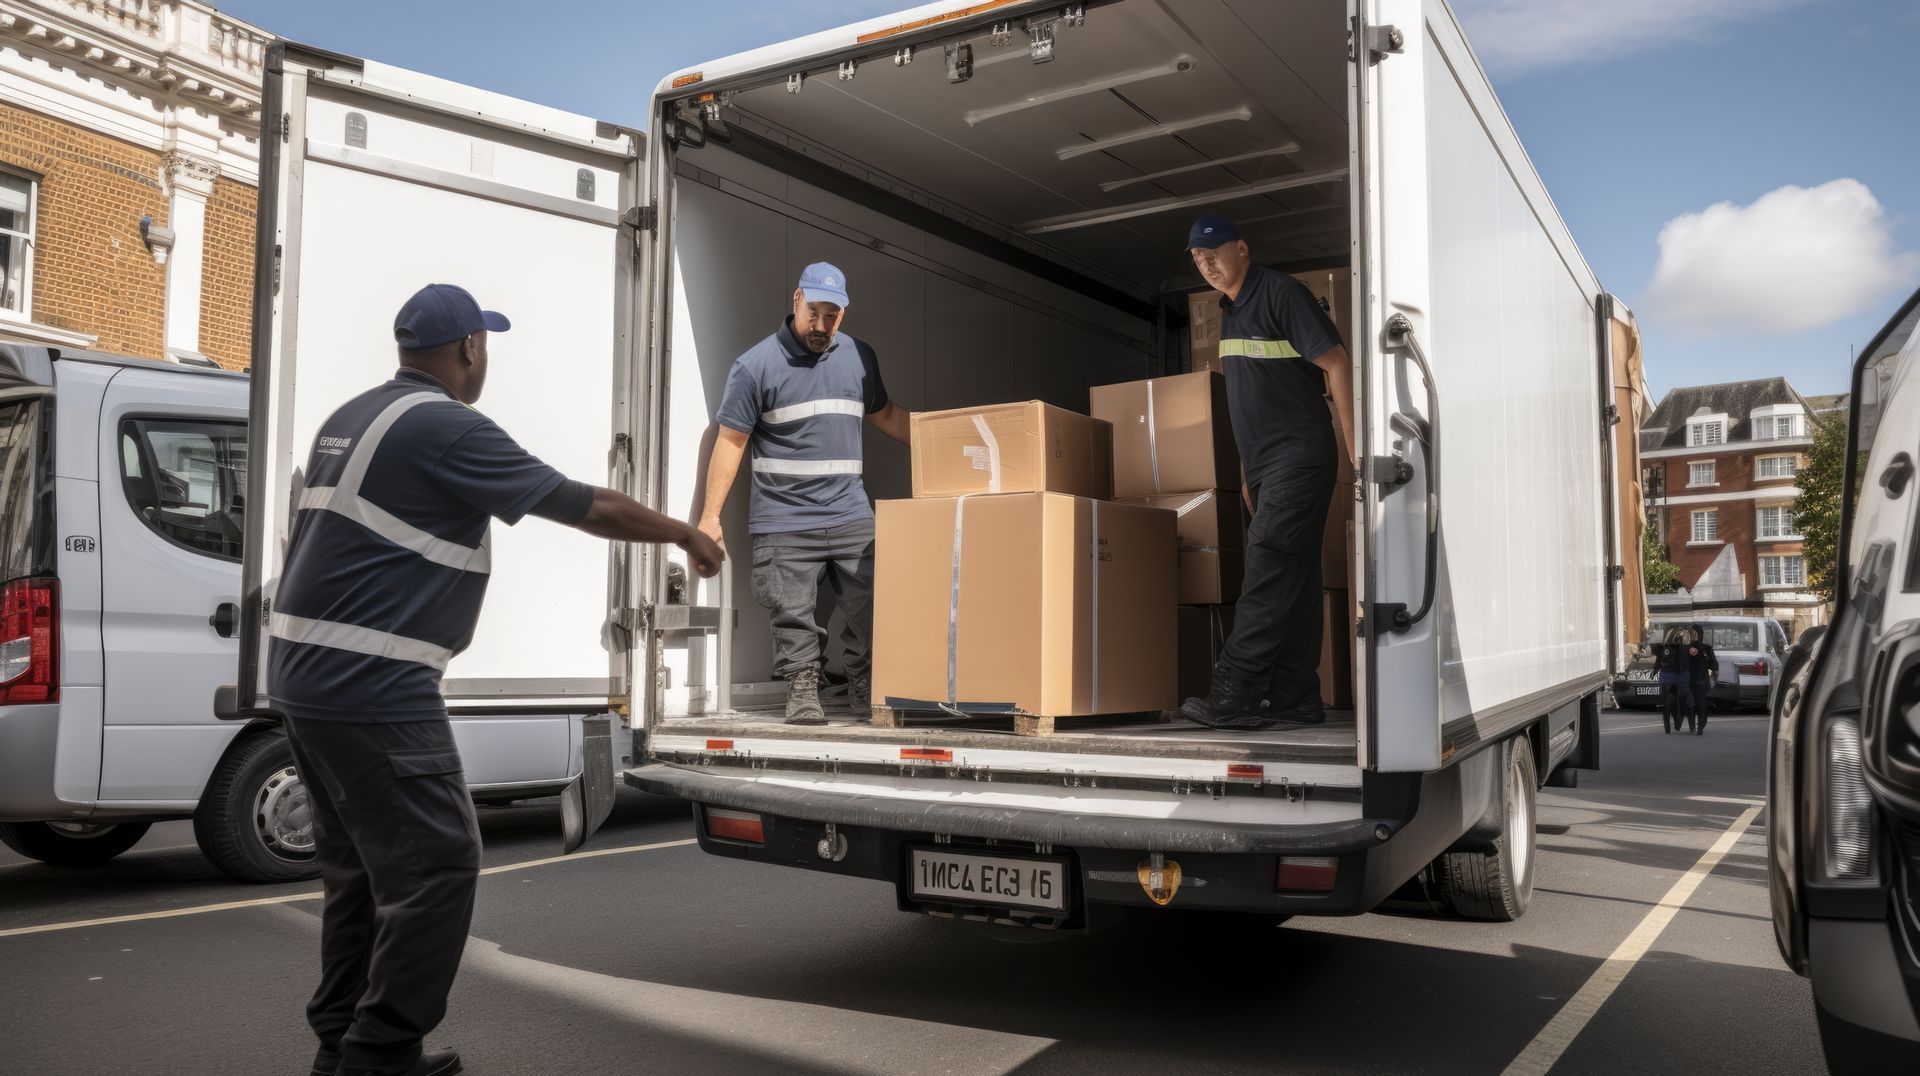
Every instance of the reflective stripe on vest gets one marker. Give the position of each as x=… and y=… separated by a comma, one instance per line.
x=796, y=412
x=807, y=468
x=359, y=640
x=1259, y=349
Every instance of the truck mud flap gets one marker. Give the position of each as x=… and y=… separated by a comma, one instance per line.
x=588, y=798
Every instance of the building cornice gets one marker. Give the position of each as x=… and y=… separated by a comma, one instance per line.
x=1729, y=448
x=1773, y=493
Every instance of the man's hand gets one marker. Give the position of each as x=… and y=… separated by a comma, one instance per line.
x=710, y=527
x=705, y=553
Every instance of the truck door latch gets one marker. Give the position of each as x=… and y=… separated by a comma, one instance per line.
x=1391, y=472
x=1381, y=41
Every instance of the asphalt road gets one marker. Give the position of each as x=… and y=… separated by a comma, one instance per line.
x=651, y=956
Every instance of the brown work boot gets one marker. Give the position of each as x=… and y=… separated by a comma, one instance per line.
x=803, y=699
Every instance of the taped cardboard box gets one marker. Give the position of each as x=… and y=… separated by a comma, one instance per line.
x=1211, y=576
x=1336, y=650
x=1203, y=330
x=995, y=604
x=1011, y=448
x=1169, y=434
x=1211, y=528
x=1203, y=631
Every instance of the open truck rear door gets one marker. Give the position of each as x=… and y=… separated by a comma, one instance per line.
x=1468, y=404
x=375, y=181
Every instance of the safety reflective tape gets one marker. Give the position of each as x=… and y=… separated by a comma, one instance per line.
x=796, y=412
x=1259, y=349
x=355, y=471
x=396, y=530
x=358, y=640
x=767, y=465
x=993, y=453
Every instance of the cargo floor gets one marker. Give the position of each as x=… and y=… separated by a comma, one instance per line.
x=1122, y=735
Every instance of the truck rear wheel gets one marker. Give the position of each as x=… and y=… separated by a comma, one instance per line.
x=255, y=821
x=71, y=844
x=1496, y=883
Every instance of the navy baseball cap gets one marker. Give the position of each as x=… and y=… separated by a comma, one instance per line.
x=440, y=314
x=1211, y=231
x=822, y=283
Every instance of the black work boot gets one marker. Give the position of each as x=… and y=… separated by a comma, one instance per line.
x=437, y=1063
x=1308, y=711
x=803, y=699
x=860, y=697
x=1232, y=704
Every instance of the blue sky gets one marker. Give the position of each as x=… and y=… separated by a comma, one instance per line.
x=1745, y=173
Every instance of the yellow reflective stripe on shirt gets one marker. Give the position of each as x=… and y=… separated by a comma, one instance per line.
x=1259, y=349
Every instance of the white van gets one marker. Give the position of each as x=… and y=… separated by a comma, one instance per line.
x=1007, y=186
x=122, y=514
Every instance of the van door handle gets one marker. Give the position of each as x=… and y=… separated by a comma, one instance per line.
x=225, y=619
x=1394, y=615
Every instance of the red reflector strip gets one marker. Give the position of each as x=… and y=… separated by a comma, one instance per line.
x=719, y=745
x=1308, y=874
x=926, y=754
x=735, y=826
x=1252, y=772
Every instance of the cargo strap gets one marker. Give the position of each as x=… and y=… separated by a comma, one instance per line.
x=953, y=606
x=1153, y=438
x=993, y=453
x=1093, y=703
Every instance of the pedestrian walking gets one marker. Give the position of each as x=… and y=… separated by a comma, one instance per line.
x=1703, y=667
x=1671, y=663
x=386, y=569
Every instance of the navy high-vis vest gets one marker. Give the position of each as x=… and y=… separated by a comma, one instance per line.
x=387, y=560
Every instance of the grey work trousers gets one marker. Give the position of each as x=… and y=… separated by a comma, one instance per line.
x=787, y=571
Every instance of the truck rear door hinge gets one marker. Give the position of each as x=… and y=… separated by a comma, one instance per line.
x=642, y=218
x=1611, y=413
x=1381, y=41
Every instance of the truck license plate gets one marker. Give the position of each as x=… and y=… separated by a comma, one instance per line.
x=1651, y=689
x=974, y=879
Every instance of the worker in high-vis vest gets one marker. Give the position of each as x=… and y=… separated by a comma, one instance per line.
x=797, y=399
x=1284, y=362
x=386, y=566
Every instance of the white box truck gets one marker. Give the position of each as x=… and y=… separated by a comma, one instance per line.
x=1007, y=186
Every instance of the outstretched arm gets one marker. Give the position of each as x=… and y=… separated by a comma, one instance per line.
x=618, y=516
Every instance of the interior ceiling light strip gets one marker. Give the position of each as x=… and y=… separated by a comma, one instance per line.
x=1116, y=184
x=921, y=24
x=1179, y=65
x=1165, y=205
x=1157, y=130
x=1301, y=212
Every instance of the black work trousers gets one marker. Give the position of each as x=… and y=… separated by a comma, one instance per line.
x=1277, y=623
x=399, y=853
x=787, y=571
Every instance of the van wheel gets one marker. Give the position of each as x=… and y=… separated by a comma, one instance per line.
x=255, y=821
x=1496, y=884
x=71, y=844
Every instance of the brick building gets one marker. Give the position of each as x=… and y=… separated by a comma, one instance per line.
x=1720, y=467
x=128, y=172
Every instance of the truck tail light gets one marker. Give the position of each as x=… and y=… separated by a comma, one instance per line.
x=740, y=826
x=1846, y=837
x=1308, y=874
x=29, y=642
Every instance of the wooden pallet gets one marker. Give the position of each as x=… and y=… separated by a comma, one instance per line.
x=886, y=717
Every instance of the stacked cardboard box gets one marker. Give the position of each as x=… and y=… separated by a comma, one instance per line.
x=1011, y=584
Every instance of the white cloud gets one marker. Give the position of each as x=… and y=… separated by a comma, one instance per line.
x=1797, y=258
x=1513, y=36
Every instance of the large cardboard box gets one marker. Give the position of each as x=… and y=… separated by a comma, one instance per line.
x=1211, y=528
x=1170, y=434
x=1336, y=650
x=1035, y=602
x=1334, y=289
x=1203, y=330
x=1203, y=632
x=1011, y=448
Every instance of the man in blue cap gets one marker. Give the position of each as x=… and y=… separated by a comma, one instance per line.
x=386, y=567
x=797, y=398
x=1284, y=363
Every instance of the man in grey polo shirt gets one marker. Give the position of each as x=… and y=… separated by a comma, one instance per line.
x=797, y=398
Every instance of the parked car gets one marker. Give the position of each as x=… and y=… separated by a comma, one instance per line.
x=1750, y=649
x=1843, y=779
x=123, y=507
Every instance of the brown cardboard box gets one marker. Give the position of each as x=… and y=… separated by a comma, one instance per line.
x=1203, y=632
x=1211, y=577
x=1169, y=434
x=1011, y=448
x=1334, y=288
x=1211, y=528
x=1203, y=330
x=1336, y=650
x=1041, y=624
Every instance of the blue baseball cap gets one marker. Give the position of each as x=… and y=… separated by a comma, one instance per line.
x=822, y=283
x=1211, y=231
x=440, y=314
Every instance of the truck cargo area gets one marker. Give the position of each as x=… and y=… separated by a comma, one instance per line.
x=1009, y=205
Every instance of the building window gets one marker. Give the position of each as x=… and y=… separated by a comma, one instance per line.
x=1706, y=526
x=1783, y=571
x=16, y=240
x=187, y=481
x=1777, y=466
x=1777, y=522
x=1712, y=432
x=1778, y=428
x=1700, y=474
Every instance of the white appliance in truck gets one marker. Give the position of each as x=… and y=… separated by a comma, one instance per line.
x=1007, y=186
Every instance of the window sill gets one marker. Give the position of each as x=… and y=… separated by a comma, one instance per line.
x=1703, y=485
x=1780, y=538
x=1695, y=545
x=15, y=327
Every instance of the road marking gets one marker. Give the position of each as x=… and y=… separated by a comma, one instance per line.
x=1738, y=801
x=294, y=898
x=1553, y=1040
x=1630, y=728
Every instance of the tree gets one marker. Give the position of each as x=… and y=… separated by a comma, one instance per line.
x=1817, y=514
x=1659, y=573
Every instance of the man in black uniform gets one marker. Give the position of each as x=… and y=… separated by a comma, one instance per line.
x=1284, y=361
x=385, y=571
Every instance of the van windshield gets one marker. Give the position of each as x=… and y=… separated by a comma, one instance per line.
x=25, y=521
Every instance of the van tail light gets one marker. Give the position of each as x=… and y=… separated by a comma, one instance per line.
x=29, y=642
x=1308, y=874
x=1847, y=815
x=741, y=827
